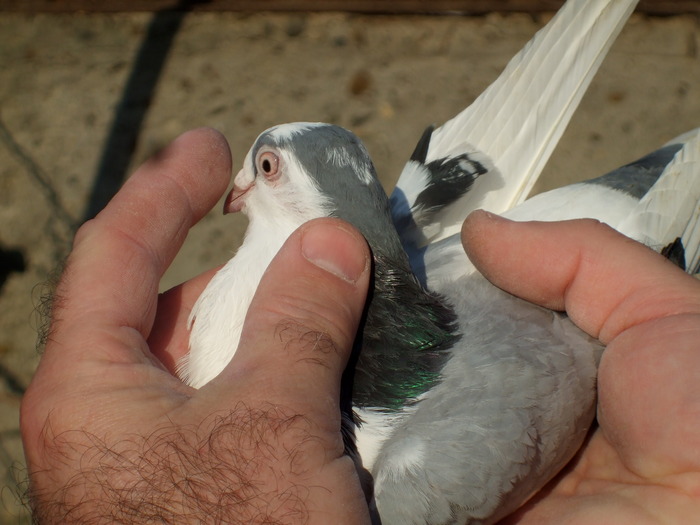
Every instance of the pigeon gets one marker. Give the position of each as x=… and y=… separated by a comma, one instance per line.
x=461, y=400
x=472, y=399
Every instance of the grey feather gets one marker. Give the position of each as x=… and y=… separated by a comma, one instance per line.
x=513, y=406
x=637, y=177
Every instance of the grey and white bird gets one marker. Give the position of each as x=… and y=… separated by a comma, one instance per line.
x=468, y=400
x=471, y=398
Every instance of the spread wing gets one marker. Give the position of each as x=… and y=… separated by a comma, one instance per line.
x=490, y=155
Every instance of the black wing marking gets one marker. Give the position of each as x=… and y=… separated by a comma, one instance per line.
x=675, y=252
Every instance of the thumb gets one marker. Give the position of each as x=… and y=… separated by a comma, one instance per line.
x=301, y=324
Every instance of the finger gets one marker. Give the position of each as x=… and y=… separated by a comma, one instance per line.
x=118, y=258
x=106, y=297
x=605, y=281
x=302, y=321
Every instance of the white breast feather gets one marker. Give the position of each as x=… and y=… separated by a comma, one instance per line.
x=216, y=320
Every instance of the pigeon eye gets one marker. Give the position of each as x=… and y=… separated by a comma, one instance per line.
x=268, y=164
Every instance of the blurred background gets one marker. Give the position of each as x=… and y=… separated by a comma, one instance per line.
x=89, y=89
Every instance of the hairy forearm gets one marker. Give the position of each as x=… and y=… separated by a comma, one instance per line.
x=229, y=470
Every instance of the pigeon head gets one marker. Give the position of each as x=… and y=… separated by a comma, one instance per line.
x=300, y=171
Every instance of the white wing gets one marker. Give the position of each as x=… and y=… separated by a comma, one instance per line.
x=516, y=122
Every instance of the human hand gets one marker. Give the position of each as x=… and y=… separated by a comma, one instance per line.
x=112, y=436
x=642, y=464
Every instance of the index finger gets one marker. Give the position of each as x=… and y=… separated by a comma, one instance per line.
x=118, y=258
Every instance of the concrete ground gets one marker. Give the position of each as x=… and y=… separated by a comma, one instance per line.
x=84, y=99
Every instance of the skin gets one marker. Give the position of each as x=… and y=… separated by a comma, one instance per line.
x=112, y=436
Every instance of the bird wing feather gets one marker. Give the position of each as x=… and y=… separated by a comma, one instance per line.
x=518, y=120
x=671, y=207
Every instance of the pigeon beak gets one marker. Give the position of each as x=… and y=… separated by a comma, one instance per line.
x=235, y=200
